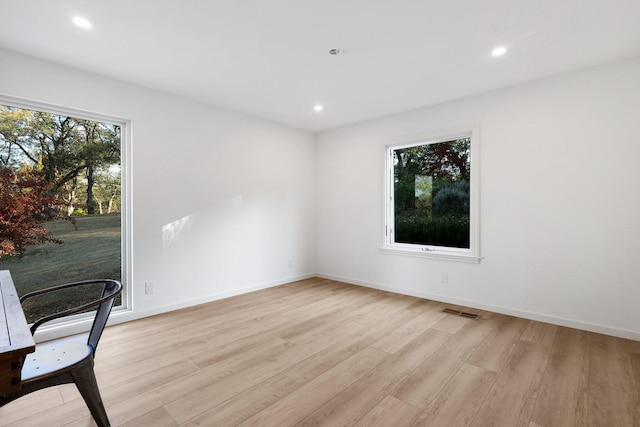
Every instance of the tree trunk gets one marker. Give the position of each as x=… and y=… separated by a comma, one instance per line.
x=91, y=209
x=71, y=197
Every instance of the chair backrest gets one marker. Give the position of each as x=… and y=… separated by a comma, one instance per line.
x=111, y=289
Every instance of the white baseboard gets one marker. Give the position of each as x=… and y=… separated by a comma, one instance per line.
x=116, y=317
x=540, y=317
x=205, y=299
x=121, y=316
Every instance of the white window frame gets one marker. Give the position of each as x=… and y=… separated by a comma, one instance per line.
x=472, y=254
x=125, y=188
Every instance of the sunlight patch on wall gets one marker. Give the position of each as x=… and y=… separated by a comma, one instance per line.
x=172, y=231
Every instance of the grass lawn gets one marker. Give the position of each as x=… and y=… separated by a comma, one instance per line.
x=90, y=250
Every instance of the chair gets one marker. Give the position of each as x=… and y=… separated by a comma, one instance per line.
x=69, y=360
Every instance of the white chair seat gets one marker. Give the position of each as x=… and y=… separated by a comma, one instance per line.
x=53, y=356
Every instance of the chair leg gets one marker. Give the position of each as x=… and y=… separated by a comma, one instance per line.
x=85, y=380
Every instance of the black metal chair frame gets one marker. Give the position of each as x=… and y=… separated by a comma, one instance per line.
x=80, y=372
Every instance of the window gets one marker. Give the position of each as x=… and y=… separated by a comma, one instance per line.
x=432, y=196
x=80, y=158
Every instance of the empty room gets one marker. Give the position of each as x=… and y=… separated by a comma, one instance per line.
x=410, y=213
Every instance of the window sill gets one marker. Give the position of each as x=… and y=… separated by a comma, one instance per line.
x=434, y=254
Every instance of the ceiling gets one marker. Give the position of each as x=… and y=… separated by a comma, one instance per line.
x=270, y=58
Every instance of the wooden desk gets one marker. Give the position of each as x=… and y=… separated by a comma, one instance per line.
x=15, y=338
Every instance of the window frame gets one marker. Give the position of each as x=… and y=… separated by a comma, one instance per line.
x=389, y=246
x=125, y=195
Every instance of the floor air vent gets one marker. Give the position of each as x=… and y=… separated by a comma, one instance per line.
x=460, y=313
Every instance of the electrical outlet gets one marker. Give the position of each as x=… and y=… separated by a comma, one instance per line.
x=444, y=278
x=148, y=288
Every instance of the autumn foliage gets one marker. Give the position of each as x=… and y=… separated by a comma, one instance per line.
x=26, y=203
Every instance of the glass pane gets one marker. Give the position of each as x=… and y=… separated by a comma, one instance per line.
x=68, y=168
x=431, y=194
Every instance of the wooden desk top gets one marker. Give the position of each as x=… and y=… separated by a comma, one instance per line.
x=15, y=338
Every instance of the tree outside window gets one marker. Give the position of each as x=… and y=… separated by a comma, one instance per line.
x=60, y=219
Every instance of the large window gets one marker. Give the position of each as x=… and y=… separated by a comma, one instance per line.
x=63, y=178
x=431, y=196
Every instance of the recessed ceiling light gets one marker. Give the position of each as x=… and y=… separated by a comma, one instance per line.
x=499, y=51
x=81, y=22
x=318, y=108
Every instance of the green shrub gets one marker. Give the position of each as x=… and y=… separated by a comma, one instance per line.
x=451, y=198
x=418, y=227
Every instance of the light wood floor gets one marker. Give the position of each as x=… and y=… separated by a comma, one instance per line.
x=319, y=352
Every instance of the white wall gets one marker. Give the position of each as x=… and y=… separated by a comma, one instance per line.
x=559, y=201
x=221, y=201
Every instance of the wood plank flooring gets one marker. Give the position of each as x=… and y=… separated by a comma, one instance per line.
x=324, y=353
